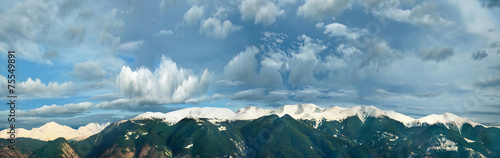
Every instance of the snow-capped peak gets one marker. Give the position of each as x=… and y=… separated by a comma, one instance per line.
x=53, y=130
x=251, y=112
x=195, y=112
x=446, y=119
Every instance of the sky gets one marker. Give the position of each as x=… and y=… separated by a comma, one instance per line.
x=104, y=61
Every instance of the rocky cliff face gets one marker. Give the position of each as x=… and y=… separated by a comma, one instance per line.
x=11, y=153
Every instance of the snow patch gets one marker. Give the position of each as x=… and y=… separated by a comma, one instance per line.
x=442, y=143
x=469, y=141
x=222, y=128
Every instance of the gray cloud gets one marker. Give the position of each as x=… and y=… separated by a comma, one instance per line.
x=51, y=54
x=66, y=7
x=488, y=83
x=89, y=70
x=379, y=54
x=436, y=54
x=76, y=33
x=491, y=3
x=242, y=70
x=59, y=110
x=260, y=94
x=479, y=55
x=305, y=61
x=106, y=97
x=242, y=67
x=494, y=67
x=250, y=95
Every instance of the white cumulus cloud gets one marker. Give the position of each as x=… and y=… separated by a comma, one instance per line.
x=261, y=11
x=336, y=29
x=317, y=9
x=36, y=89
x=167, y=84
x=194, y=15
x=130, y=46
x=215, y=28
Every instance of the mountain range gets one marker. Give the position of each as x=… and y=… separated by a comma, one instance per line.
x=304, y=130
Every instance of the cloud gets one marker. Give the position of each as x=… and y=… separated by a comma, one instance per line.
x=164, y=32
x=488, y=83
x=336, y=29
x=37, y=89
x=491, y=3
x=317, y=9
x=420, y=15
x=437, y=54
x=68, y=7
x=194, y=15
x=51, y=54
x=89, y=70
x=304, y=62
x=261, y=11
x=108, y=39
x=130, y=46
x=307, y=95
x=494, y=67
x=166, y=85
x=215, y=28
x=260, y=94
x=166, y=3
x=269, y=77
x=243, y=66
x=19, y=27
x=250, y=94
x=108, y=96
x=76, y=33
x=60, y=110
x=379, y=54
x=242, y=69
x=479, y=55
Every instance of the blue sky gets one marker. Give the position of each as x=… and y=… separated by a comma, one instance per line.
x=104, y=61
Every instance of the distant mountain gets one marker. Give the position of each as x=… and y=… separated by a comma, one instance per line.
x=53, y=130
x=291, y=131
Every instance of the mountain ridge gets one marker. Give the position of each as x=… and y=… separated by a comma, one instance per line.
x=53, y=130
x=310, y=112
